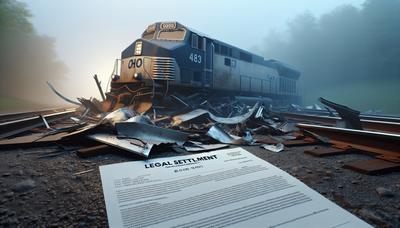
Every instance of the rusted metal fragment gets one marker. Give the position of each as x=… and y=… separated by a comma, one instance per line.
x=321, y=151
x=130, y=145
x=93, y=105
x=143, y=106
x=373, y=167
x=201, y=112
x=383, y=145
x=300, y=142
x=150, y=133
x=93, y=151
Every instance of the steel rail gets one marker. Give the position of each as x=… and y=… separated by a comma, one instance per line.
x=382, y=126
x=14, y=127
x=376, y=117
x=6, y=117
x=385, y=145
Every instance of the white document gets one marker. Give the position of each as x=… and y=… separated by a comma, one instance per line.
x=224, y=188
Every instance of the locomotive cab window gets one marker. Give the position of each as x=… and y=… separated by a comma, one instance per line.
x=217, y=48
x=224, y=50
x=198, y=41
x=174, y=35
x=195, y=41
x=202, y=42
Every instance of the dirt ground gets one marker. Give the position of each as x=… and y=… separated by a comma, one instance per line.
x=43, y=191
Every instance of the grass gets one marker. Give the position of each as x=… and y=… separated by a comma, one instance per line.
x=8, y=104
x=362, y=96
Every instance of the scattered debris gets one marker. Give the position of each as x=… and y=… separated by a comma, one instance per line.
x=83, y=172
x=384, y=145
x=273, y=148
x=220, y=135
x=201, y=112
x=150, y=133
x=15, y=127
x=118, y=115
x=134, y=122
x=192, y=146
x=384, y=192
x=131, y=145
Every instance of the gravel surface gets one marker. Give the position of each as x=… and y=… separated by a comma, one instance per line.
x=43, y=191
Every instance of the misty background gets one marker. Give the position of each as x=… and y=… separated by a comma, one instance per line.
x=350, y=54
x=347, y=50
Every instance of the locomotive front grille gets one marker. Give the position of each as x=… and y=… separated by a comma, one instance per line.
x=164, y=69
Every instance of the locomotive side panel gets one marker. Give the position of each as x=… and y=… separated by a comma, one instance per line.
x=258, y=75
x=225, y=77
x=241, y=76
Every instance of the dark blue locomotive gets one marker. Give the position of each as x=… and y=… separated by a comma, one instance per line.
x=170, y=57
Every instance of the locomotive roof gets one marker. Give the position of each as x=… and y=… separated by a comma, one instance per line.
x=282, y=68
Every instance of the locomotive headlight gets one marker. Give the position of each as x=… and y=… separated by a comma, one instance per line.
x=138, y=48
x=137, y=76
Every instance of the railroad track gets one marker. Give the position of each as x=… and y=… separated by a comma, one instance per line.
x=375, y=117
x=6, y=117
x=380, y=124
x=15, y=123
x=380, y=137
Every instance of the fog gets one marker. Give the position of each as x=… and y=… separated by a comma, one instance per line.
x=346, y=49
x=350, y=54
x=27, y=60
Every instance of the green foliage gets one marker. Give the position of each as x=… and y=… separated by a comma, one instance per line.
x=27, y=60
x=14, y=15
x=345, y=48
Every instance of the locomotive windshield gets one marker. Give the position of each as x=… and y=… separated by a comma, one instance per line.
x=148, y=36
x=164, y=31
x=175, y=35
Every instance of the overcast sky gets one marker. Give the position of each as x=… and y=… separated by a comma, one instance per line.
x=90, y=34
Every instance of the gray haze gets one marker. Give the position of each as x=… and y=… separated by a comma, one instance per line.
x=27, y=60
x=350, y=54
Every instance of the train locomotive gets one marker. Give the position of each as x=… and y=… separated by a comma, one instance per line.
x=172, y=58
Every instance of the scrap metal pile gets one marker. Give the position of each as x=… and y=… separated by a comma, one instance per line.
x=199, y=123
x=192, y=124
